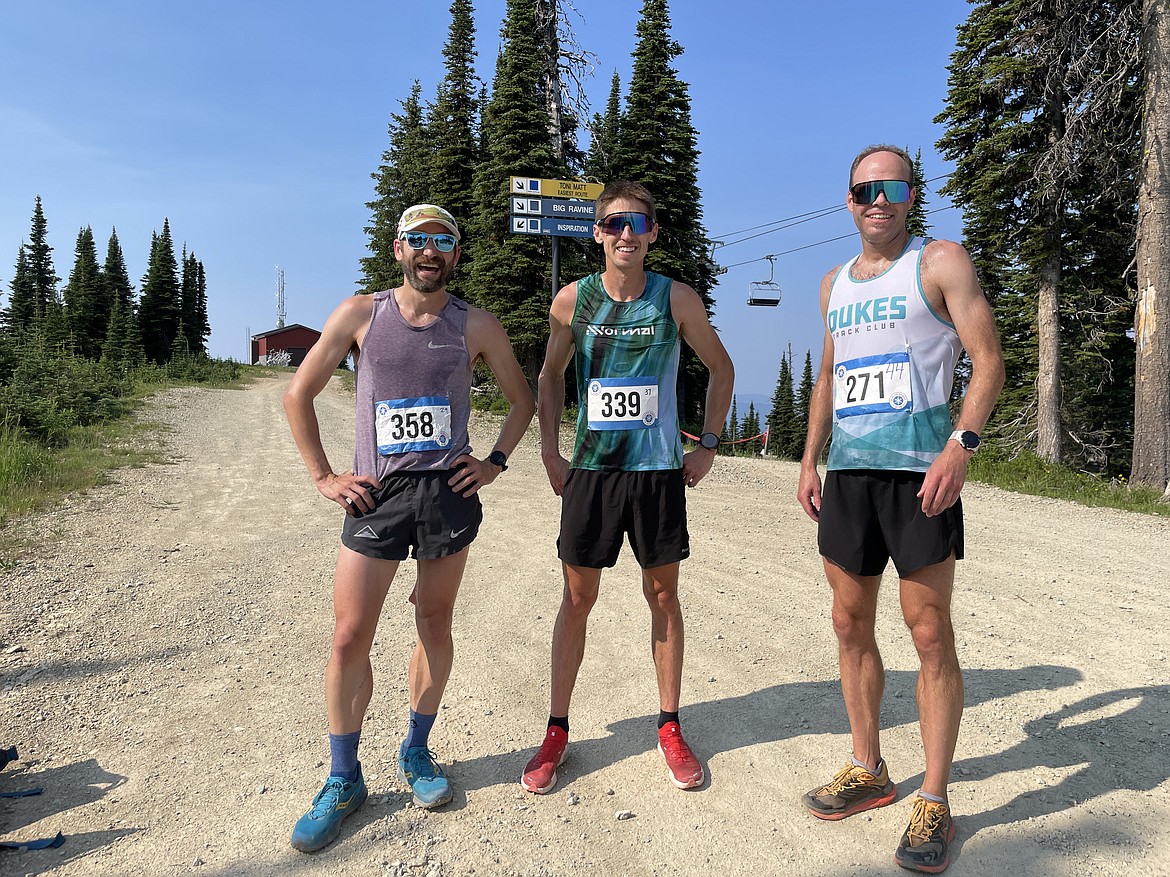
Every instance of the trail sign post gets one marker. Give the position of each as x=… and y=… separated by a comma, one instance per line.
x=558, y=208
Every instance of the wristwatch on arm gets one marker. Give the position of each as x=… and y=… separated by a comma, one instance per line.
x=709, y=441
x=500, y=459
x=969, y=441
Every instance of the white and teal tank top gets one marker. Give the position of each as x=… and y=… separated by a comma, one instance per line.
x=627, y=372
x=894, y=364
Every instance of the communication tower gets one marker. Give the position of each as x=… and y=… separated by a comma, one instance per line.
x=279, y=297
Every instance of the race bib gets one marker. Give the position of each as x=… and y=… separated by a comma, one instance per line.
x=622, y=403
x=422, y=424
x=873, y=385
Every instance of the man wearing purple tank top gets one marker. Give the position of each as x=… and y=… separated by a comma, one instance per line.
x=412, y=492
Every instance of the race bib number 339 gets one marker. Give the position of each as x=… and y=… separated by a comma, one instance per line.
x=873, y=385
x=422, y=424
x=623, y=403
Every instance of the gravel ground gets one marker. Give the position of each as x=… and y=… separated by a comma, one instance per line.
x=162, y=649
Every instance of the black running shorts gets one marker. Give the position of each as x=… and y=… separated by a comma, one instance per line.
x=599, y=508
x=869, y=516
x=416, y=514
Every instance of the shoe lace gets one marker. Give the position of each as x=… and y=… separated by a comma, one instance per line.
x=925, y=821
x=675, y=746
x=328, y=798
x=847, y=778
x=421, y=763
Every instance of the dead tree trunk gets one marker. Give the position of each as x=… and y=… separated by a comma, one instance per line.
x=1151, y=415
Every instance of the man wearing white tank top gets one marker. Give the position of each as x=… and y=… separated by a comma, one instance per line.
x=412, y=492
x=897, y=317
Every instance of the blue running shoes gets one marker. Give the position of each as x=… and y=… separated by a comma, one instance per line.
x=320, y=826
x=419, y=770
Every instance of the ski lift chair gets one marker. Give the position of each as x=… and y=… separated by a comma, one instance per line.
x=765, y=293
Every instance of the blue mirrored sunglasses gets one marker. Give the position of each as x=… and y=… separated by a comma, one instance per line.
x=896, y=191
x=444, y=243
x=638, y=223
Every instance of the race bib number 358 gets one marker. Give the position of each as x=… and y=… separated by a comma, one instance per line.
x=422, y=424
x=623, y=403
x=873, y=385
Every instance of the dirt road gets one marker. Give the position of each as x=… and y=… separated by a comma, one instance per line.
x=161, y=659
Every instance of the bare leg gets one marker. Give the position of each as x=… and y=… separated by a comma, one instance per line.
x=863, y=677
x=926, y=606
x=660, y=587
x=568, y=646
x=434, y=651
x=360, y=584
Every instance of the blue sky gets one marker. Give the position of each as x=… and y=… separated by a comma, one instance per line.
x=254, y=127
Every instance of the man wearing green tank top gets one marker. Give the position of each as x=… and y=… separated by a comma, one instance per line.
x=628, y=472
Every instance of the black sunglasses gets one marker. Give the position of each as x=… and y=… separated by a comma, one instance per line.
x=896, y=191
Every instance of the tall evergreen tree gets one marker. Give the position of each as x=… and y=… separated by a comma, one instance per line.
x=916, y=222
x=658, y=147
x=159, y=312
x=122, y=343
x=606, y=134
x=87, y=304
x=402, y=179
x=194, y=328
x=733, y=432
x=1042, y=122
x=41, y=279
x=782, y=422
x=451, y=129
x=751, y=429
x=804, y=403
x=21, y=313
x=511, y=273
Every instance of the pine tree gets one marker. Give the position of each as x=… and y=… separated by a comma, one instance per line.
x=804, y=404
x=122, y=343
x=782, y=421
x=606, y=133
x=511, y=273
x=38, y=284
x=159, y=312
x=87, y=305
x=733, y=430
x=402, y=179
x=21, y=314
x=1042, y=122
x=658, y=147
x=916, y=222
x=451, y=129
x=751, y=429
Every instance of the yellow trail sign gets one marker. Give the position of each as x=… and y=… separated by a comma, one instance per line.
x=555, y=188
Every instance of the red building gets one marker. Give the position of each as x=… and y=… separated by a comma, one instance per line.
x=295, y=339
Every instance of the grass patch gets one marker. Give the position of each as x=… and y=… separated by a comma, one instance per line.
x=1030, y=475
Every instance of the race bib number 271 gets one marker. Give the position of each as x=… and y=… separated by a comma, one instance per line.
x=873, y=385
x=421, y=424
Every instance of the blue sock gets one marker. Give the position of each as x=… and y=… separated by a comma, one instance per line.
x=419, y=729
x=343, y=755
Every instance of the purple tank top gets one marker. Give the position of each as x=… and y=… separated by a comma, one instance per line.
x=413, y=391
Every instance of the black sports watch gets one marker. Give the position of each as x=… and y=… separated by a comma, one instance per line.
x=499, y=458
x=968, y=440
x=709, y=440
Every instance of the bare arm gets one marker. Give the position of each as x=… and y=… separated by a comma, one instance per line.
x=487, y=340
x=820, y=418
x=948, y=276
x=550, y=395
x=345, y=327
x=691, y=317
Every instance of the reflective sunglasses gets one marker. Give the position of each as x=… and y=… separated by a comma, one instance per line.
x=638, y=223
x=897, y=191
x=444, y=243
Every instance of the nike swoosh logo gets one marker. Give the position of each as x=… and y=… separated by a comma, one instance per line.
x=456, y=533
x=434, y=346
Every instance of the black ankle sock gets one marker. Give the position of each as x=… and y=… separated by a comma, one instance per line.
x=664, y=717
x=560, y=721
